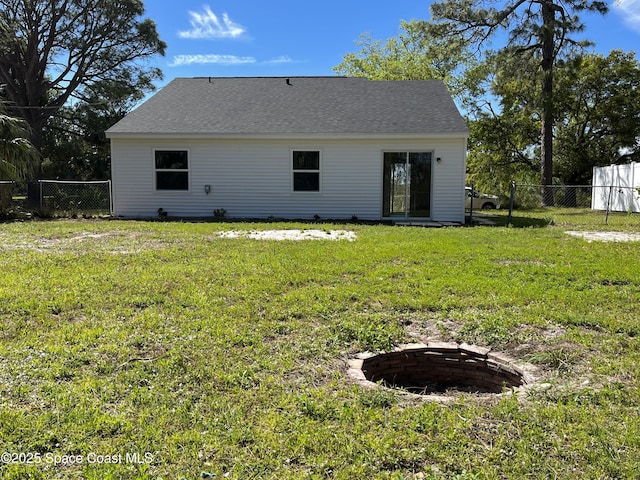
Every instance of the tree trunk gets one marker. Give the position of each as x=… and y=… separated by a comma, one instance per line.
x=546, y=151
x=36, y=133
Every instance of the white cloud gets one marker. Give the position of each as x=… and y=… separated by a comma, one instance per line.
x=279, y=60
x=180, y=60
x=207, y=25
x=630, y=9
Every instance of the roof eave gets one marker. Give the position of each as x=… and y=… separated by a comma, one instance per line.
x=287, y=136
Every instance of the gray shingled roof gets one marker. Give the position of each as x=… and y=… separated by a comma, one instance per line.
x=298, y=105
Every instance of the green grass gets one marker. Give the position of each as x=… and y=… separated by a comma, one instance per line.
x=226, y=358
x=583, y=218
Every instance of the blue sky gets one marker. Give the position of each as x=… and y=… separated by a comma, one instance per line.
x=290, y=38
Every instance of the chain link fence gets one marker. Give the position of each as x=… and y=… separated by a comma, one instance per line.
x=578, y=205
x=57, y=198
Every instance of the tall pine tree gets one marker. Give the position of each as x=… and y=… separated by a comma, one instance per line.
x=541, y=27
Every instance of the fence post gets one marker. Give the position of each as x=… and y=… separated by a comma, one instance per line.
x=606, y=217
x=40, y=189
x=473, y=189
x=512, y=197
x=110, y=198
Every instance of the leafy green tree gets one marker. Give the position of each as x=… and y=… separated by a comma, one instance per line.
x=597, y=123
x=413, y=55
x=60, y=52
x=504, y=137
x=601, y=123
x=399, y=58
x=75, y=145
x=538, y=27
x=17, y=155
x=502, y=149
x=74, y=148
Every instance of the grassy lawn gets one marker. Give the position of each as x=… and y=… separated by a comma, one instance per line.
x=162, y=350
x=566, y=217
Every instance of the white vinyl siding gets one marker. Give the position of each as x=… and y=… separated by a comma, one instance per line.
x=252, y=178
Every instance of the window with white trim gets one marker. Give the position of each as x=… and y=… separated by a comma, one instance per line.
x=171, y=169
x=306, y=170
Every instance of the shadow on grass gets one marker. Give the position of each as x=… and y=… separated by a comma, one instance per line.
x=516, y=222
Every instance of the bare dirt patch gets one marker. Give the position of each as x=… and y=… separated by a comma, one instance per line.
x=130, y=242
x=295, y=235
x=116, y=241
x=606, y=236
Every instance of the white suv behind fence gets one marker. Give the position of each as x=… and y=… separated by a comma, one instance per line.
x=481, y=201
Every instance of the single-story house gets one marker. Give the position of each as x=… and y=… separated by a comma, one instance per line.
x=616, y=188
x=296, y=148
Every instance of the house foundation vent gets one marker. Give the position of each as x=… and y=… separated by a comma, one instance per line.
x=440, y=368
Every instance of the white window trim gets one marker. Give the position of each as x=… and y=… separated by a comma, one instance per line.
x=156, y=170
x=318, y=171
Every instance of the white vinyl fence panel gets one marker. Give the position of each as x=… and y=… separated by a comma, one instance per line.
x=615, y=188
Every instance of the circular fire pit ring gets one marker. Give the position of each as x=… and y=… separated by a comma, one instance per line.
x=440, y=368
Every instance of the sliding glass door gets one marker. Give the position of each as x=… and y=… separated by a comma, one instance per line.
x=407, y=184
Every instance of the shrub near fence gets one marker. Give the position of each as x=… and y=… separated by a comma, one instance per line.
x=577, y=205
x=54, y=197
x=66, y=197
